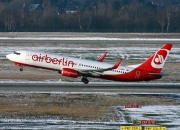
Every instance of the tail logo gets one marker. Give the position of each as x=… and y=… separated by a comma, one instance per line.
x=159, y=59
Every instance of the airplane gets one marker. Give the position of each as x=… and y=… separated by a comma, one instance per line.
x=150, y=69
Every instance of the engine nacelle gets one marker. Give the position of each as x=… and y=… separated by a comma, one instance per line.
x=69, y=73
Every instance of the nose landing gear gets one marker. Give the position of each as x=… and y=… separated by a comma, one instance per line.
x=85, y=80
x=20, y=65
x=21, y=69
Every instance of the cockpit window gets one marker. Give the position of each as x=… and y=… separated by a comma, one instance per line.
x=17, y=53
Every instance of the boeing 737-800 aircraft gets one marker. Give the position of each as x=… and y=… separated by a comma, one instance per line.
x=75, y=67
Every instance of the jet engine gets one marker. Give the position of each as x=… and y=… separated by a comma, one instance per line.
x=69, y=73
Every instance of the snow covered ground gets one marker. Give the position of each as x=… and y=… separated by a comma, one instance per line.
x=163, y=115
x=166, y=115
x=89, y=38
x=100, y=44
x=131, y=54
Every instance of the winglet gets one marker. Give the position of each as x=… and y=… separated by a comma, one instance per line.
x=117, y=64
x=102, y=57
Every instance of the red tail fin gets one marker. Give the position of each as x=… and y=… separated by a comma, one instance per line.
x=156, y=62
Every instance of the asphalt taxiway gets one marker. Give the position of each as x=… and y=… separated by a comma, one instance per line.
x=64, y=87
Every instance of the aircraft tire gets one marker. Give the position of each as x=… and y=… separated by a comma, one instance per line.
x=21, y=69
x=85, y=80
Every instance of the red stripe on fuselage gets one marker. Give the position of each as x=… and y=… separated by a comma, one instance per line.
x=133, y=76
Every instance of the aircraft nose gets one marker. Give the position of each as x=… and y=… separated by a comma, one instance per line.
x=9, y=56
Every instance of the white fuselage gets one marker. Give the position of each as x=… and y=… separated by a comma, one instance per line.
x=58, y=62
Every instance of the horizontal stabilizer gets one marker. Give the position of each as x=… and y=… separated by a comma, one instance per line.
x=159, y=74
x=156, y=74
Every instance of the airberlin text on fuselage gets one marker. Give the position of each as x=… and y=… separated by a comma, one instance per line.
x=49, y=59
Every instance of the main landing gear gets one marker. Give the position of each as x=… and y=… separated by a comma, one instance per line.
x=85, y=80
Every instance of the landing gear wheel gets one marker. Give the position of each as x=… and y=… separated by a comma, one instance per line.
x=21, y=69
x=85, y=80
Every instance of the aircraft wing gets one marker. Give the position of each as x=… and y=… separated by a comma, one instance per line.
x=97, y=72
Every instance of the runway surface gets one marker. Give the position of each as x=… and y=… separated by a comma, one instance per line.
x=64, y=87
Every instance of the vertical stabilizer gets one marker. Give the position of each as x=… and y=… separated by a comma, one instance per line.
x=155, y=63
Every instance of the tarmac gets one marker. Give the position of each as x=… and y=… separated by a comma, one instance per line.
x=80, y=87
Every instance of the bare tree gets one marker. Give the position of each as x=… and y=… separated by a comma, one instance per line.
x=89, y=21
x=170, y=14
x=79, y=21
x=9, y=19
x=161, y=17
x=84, y=20
x=125, y=12
x=102, y=9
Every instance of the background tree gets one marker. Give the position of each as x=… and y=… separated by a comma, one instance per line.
x=90, y=15
x=10, y=19
x=170, y=16
x=161, y=17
